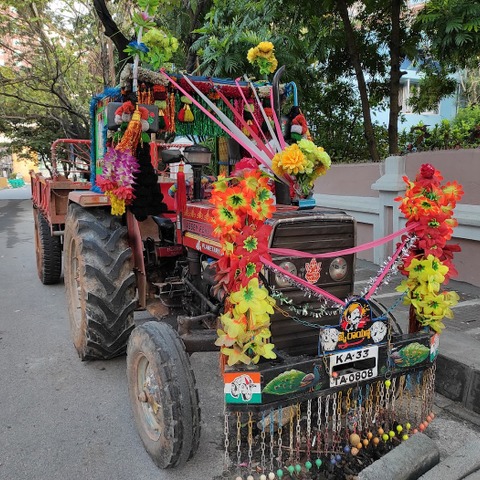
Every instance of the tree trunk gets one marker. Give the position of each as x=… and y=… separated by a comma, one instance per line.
x=196, y=20
x=112, y=31
x=395, y=75
x=342, y=8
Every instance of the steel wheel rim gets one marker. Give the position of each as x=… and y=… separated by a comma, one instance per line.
x=148, y=398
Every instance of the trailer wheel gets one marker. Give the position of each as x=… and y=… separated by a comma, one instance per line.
x=48, y=251
x=99, y=282
x=163, y=394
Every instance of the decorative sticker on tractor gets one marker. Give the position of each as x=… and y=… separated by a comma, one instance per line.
x=312, y=271
x=356, y=328
x=242, y=387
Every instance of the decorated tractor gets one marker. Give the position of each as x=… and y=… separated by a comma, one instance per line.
x=238, y=258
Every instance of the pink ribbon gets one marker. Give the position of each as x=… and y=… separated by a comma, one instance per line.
x=287, y=252
x=299, y=280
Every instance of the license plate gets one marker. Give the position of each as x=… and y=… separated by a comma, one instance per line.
x=353, y=366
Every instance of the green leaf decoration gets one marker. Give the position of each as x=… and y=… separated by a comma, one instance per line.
x=287, y=382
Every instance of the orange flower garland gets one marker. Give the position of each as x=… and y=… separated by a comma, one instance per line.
x=242, y=204
x=430, y=204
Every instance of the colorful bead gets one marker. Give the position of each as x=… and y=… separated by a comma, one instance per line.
x=291, y=469
x=346, y=449
x=263, y=477
x=405, y=437
x=388, y=383
x=408, y=426
x=354, y=451
x=385, y=437
x=338, y=457
x=308, y=465
x=239, y=478
x=376, y=440
x=354, y=439
x=271, y=476
x=279, y=473
x=391, y=433
x=318, y=463
x=250, y=477
x=298, y=468
x=399, y=428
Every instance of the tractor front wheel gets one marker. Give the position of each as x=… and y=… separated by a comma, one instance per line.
x=99, y=282
x=163, y=394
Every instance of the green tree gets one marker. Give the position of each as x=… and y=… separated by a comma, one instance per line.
x=53, y=67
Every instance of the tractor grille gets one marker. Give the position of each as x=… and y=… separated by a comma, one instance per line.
x=314, y=231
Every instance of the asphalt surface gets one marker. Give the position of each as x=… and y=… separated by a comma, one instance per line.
x=61, y=418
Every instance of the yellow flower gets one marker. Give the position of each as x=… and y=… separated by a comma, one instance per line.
x=291, y=160
x=265, y=47
x=252, y=54
x=252, y=297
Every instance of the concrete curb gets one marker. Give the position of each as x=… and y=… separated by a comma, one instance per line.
x=464, y=462
x=408, y=461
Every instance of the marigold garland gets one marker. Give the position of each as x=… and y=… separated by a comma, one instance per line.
x=242, y=204
x=430, y=204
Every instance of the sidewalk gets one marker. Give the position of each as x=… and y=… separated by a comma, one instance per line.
x=453, y=443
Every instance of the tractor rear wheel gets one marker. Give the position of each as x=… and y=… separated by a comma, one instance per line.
x=99, y=282
x=48, y=251
x=163, y=394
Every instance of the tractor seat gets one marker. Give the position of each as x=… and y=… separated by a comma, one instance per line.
x=166, y=230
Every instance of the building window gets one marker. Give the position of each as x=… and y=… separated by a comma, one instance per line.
x=406, y=90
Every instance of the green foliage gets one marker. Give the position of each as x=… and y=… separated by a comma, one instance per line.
x=47, y=81
x=336, y=121
x=453, y=27
x=435, y=85
x=462, y=132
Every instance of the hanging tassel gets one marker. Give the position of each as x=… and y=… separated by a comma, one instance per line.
x=188, y=117
x=181, y=114
x=181, y=194
x=132, y=134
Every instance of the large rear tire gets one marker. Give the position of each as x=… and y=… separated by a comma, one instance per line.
x=163, y=394
x=48, y=251
x=99, y=282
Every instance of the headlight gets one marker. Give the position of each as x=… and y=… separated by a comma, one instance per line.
x=338, y=269
x=280, y=279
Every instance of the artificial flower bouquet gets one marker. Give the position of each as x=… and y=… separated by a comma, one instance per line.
x=304, y=162
x=263, y=56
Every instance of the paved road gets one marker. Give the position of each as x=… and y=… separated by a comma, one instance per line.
x=61, y=419
x=64, y=419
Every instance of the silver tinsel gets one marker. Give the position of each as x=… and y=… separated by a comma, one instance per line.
x=393, y=269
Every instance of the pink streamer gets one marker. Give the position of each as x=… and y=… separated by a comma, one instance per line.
x=242, y=122
x=218, y=122
x=299, y=280
x=283, y=144
x=237, y=83
x=387, y=267
x=360, y=248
